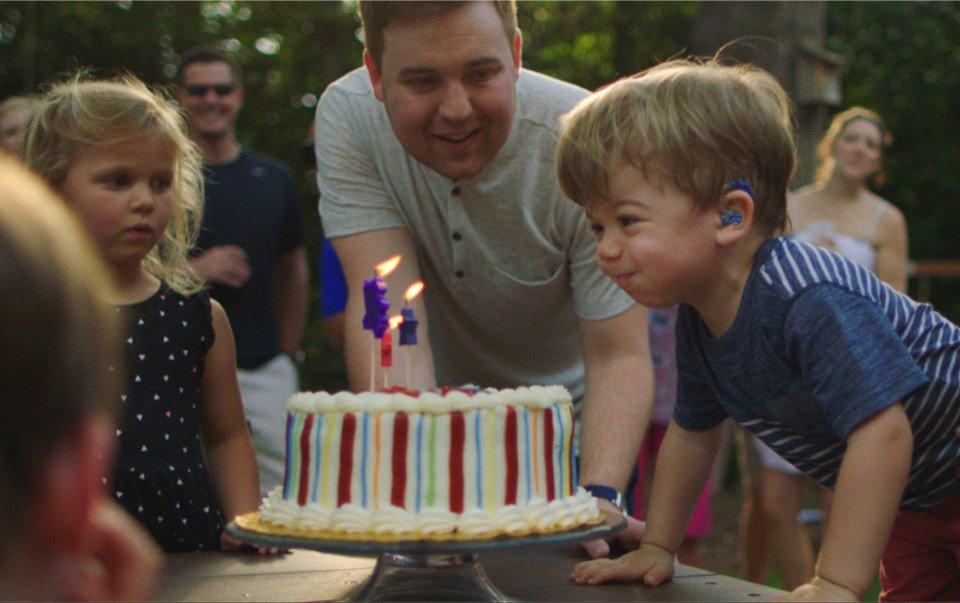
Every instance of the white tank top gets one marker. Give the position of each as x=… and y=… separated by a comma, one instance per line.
x=856, y=249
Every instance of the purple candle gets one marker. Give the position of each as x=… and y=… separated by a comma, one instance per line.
x=376, y=306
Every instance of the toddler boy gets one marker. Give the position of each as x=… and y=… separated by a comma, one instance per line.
x=683, y=172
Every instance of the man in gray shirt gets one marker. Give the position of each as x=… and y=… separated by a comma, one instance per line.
x=442, y=152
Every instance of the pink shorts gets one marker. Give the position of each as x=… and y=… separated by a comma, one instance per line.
x=922, y=558
x=700, y=521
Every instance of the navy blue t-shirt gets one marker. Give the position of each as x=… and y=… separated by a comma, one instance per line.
x=819, y=345
x=253, y=203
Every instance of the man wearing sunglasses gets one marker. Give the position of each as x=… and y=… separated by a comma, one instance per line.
x=252, y=250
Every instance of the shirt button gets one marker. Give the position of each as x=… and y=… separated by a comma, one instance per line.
x=459, y=273
x=457, y=236
x=456, y=191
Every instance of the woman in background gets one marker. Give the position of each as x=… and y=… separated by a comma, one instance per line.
x=840, y=212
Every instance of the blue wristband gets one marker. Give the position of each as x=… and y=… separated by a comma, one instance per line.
x=607, y=493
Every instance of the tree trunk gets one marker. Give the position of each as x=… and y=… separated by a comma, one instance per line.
x=775, y=36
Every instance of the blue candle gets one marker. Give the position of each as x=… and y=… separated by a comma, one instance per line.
x=408, y=328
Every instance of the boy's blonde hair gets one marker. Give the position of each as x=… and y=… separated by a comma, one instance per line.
x=83, y=112
x=376, y=15
x=698, y=125
x=838, y=124
x=57, y=336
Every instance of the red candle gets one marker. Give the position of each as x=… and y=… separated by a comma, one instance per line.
x=386, y=349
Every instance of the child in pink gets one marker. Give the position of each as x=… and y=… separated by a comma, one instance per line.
x=663, y=344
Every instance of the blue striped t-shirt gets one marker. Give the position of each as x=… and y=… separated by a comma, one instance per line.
x=820, y=344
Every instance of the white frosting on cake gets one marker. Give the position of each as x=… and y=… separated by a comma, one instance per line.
x=427, y=401
x=539, y=517
x=466, y=462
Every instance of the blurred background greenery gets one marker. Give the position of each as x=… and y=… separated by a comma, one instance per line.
x=899, y=58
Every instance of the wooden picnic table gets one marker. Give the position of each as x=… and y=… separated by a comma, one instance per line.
x=535, y=574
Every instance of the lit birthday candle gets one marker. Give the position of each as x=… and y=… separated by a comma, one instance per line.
x=386, y=347
x=375, y=298
x=408, y=328
x=376, y=305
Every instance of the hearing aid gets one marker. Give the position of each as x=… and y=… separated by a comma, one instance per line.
x=730, y=217
x=741, y=185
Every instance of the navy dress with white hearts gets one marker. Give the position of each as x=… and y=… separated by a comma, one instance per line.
x=160, y=474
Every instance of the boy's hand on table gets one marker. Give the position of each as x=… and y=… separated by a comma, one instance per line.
x=819, y=589
x=650, y=563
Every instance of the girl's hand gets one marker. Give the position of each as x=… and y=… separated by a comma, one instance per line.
x=230, y=544
x=650, y=563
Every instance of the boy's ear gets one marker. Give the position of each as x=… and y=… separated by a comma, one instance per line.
x=734, y=216
x=70, y=484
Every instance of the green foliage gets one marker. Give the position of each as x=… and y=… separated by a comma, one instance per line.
x=903, y=61
x=592, y=43
x=553, y=33
x=289, y=52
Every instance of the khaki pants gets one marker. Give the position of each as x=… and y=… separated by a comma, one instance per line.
x=265, y=392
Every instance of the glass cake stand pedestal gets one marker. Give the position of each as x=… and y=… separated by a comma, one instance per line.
x=424, y=570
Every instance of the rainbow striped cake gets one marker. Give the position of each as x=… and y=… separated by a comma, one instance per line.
x=458, y=463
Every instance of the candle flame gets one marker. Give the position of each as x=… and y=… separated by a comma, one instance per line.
x=387, y=266
x=413, y=291
x=395, y=321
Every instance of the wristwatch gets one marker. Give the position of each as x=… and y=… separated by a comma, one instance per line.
x=607, y=493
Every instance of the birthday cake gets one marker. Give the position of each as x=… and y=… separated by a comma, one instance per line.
x=458, y=463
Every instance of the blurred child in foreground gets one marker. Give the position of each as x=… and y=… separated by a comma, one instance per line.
x=683, y=172
x=61, y=535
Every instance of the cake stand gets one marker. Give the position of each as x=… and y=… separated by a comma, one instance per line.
x=424, y=570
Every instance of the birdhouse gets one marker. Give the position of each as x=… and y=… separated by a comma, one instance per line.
x=817, y=75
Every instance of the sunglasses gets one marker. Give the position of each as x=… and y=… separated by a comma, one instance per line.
x=220, y=89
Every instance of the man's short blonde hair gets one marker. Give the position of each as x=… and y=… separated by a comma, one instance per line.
x=376, y=15
x=698, y=125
